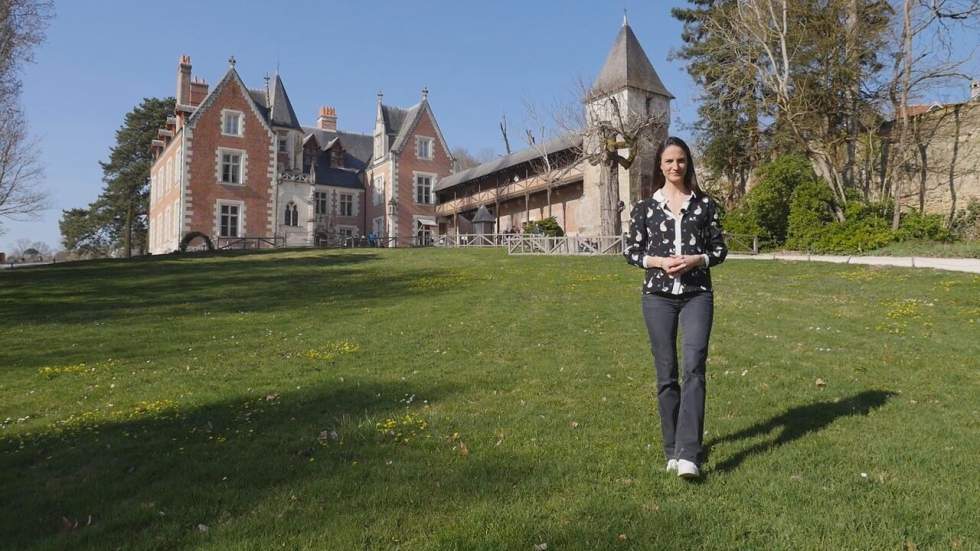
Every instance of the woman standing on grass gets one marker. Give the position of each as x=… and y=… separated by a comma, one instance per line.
x=676, y=236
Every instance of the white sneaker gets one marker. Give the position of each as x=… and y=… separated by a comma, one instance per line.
x=687, y=469
x=672, y=466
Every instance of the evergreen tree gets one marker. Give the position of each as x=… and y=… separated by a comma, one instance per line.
x=118, y=218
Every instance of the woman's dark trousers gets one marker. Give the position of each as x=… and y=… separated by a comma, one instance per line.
x=681, y=407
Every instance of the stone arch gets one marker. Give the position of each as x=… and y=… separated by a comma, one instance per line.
x=186, y=241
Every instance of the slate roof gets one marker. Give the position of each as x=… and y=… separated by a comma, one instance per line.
x=281, y=113
x=483, y=215
x=358, y=147
x=555, y=145
x=338, y=177
x=628, y=65
x=408, y=122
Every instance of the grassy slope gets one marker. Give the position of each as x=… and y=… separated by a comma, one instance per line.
x=220, y=391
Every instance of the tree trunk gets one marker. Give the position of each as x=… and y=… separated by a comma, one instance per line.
x=923, y=174
x=824, y=169
x=609, y=199
x=903, y=113
x=952, y=166
x=129, y=230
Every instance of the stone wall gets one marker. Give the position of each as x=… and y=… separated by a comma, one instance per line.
x=944, y=174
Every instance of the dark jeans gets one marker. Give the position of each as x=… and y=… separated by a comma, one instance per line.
x=681, y=408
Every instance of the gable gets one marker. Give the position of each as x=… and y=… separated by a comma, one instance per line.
x=231, y=82
x=409, y=129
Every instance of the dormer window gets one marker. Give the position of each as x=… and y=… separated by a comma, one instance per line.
x=231, y=123
x=423, y=147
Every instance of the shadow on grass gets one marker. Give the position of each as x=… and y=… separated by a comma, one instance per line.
x=100, y=291
x=798, y=422
x=306, y=462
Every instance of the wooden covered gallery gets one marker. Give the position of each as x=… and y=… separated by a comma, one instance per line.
x=515, y=189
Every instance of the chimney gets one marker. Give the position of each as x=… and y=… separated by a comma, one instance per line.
x=198, y=91
x=975, y=90
x=327, y=119
x=184, y=80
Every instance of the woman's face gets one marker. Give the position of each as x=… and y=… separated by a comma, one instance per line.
x=673, y=163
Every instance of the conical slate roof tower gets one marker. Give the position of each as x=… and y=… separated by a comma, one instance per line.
x=627, y=66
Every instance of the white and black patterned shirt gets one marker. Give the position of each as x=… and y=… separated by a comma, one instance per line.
x=655, y=231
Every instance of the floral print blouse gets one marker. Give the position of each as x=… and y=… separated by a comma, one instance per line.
x=655, y=231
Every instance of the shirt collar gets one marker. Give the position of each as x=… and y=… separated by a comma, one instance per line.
x=661, y=199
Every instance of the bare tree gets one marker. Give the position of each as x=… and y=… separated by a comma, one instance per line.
x=503, y=132
x=20, y=172
x=924, y=58
x=22, y=26
x=555, y=153
x=613, y=137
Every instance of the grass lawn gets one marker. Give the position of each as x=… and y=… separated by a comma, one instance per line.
x=447, y=399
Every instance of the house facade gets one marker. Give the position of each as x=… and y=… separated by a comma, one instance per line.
x=234, y=162
x=552, y=179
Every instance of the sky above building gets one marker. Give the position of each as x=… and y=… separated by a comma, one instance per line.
x=479, y=60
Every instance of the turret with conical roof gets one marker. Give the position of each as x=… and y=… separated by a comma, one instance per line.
x=627, y=66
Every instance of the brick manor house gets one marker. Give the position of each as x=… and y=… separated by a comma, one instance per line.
x=235, y=162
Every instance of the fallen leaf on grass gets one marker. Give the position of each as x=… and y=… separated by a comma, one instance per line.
x=820, y=383
x=541, y=547
x=202, y=528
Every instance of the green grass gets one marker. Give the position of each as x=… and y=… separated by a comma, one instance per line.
x=956, y=249
x=253, y=395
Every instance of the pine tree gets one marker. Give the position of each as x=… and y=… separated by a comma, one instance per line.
x=119, y=216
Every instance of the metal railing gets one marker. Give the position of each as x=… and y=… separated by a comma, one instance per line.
x=230, y=243
x=473, y=240
x=568, y=245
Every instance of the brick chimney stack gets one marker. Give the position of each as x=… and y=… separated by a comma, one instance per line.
x=184, y=80
x=327, y=119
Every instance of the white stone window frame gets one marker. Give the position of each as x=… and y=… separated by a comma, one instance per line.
x=340, y=203
x=242, y=167
x=217, y=217
x=378, y=225
x=353, y=229
x=378, y=190
x=323, y=195
x=291, y=214
x=225, y=113
x=430, y=147
x=432, y=187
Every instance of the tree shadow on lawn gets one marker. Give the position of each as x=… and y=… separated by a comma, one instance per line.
x=245, y=468
x=84, y=295
x=798, y=422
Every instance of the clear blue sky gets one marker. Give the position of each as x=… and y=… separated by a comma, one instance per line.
x=478, y=59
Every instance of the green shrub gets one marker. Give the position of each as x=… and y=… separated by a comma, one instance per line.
x=966, y=221
x=548, y=226
x=810, y=211
x=855, y=235
x=922, y=226
x=767, y=204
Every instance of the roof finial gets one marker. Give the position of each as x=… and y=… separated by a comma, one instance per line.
x=231, y=61
x=425, y=93
x=626, y=22
x=380, y=95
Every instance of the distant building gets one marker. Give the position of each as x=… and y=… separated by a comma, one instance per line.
x=943, y=175
x=235, y=162
x=517, y=188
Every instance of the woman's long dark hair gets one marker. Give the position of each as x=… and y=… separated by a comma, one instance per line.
x=690, y=180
